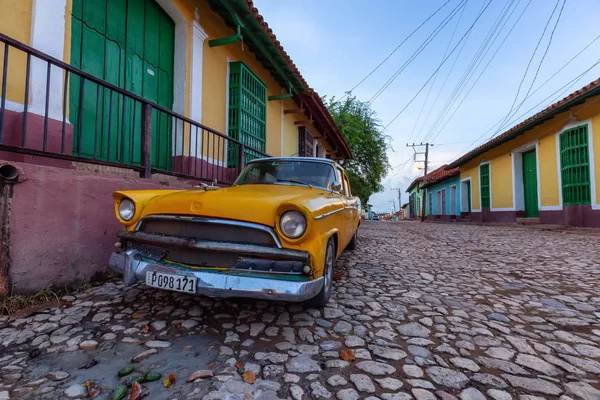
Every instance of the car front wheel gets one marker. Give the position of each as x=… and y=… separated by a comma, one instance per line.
x=321, y=299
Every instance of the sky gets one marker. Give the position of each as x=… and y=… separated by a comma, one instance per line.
x=458, y=91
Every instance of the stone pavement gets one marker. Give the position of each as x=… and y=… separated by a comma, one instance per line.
x=421, y=311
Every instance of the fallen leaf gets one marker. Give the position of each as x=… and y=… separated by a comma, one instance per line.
x=239, y=364
x=92, y=389
x=136, y=391
x=144, y=329
x=203, y=373
x=169, y=381
x=337, y=276
x=347, y=355
x=249, y=377
x=139, y=314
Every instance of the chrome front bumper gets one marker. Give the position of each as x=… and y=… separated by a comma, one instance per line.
x=215, y=284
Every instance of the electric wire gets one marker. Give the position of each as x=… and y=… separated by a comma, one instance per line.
x=481, y=54
x=542, y=60
x=440, y=66
x=529, y=64
x=439, y=130
x=562, y=90
x=434, y=79
x=394, y=51
x=419, y=50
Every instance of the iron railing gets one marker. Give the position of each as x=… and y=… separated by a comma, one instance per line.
x=79, y=117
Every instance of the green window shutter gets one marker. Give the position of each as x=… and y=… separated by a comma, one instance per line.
x=484, y=184
x=575, y=166
x=247, y=112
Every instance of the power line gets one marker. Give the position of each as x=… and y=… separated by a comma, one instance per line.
x=531, y=94
x=445, y=81
x=482, y=52
x=419, y=50
x=529, y=63
x=543, y=57
x=439, y=130
x=440, y=66
x=434, y=79
x=395, y=50
x=562, y=89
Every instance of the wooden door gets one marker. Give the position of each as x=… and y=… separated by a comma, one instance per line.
x=530, y=184
x=129, y=44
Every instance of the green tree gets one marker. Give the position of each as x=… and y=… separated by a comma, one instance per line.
x=363, y=131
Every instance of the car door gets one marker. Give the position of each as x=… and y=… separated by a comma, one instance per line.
x=352, y=208
x=346, y=198
x=343, y=228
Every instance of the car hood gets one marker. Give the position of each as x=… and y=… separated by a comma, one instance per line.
x=252, y=203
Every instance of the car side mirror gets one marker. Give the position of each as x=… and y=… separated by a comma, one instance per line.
x=336, y=187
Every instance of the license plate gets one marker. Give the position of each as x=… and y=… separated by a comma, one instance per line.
x=178, y=283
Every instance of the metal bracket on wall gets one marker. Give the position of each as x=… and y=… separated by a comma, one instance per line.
x=224, y=41
x=285, y=96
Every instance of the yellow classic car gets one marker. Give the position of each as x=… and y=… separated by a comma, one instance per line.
x=274, y=234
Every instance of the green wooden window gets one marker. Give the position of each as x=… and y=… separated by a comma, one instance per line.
x=247, y=112
x=484, y=185
x=575, y=166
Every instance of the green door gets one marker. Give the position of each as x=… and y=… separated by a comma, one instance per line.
x=131, y=45
x=530, y=184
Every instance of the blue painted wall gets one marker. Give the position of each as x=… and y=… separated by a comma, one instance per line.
x=445, y=184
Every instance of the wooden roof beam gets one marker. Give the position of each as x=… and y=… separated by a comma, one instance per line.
x=294, y=111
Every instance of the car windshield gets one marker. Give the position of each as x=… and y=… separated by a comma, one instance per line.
x=286, y=172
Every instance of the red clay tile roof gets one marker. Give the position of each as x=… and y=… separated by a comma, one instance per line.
x=419, y=179
x=590, y=90
x=321, y=116
x=440, y=174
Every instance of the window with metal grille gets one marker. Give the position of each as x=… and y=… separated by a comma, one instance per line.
x=484, y=185
x=575, y=166
x=247, y=112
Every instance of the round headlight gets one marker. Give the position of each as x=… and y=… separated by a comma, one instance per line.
x=126, y=209
x=292, y=224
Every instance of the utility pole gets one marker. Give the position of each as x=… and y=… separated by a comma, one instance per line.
x=425, y=175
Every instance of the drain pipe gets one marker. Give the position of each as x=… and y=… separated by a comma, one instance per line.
x=9, y=173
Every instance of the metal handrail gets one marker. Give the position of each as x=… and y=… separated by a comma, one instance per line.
x=38, y=54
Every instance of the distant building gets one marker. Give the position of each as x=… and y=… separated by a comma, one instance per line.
x=442, y=191
x=414, y=198
x=404, y=211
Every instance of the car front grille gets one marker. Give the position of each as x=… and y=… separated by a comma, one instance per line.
x=217, y=230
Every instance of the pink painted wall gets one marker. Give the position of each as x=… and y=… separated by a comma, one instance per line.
x=62, y=222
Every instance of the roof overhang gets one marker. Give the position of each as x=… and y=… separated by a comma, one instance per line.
x=243, y=16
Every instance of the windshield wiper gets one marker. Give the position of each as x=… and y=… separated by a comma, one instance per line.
x=294, y=181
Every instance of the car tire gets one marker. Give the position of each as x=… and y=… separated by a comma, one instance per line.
x=321, y=299
x=354, y=242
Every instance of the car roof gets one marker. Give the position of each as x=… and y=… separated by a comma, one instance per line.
x=308, y=159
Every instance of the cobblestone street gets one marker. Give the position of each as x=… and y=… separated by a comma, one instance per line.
x=420, y=311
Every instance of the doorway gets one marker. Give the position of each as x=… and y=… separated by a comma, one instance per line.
x=129, y=44
x=530, y=190
x=465, y=196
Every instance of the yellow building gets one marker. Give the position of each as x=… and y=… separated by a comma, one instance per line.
x=545, y=168
x=204, y=66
